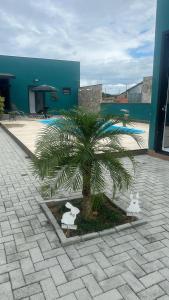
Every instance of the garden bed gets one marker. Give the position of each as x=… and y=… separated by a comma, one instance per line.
x=109, y=219
x=107, y=216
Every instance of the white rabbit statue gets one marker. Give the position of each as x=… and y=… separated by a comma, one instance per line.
x=134, y=208
x=68, y=218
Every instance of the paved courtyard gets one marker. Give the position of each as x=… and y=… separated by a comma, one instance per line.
x=131, y=264
x=27, y=131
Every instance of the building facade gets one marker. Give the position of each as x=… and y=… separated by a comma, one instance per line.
x=139, y=93
x=159, y=125
x=32, y=84
x=90, y=97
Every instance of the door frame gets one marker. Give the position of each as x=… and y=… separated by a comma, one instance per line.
x=6, y=86
x=162, y=93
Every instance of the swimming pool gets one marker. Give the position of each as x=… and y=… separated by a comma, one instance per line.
x=111, y=128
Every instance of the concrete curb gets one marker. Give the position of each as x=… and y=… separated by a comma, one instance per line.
x=72, y=240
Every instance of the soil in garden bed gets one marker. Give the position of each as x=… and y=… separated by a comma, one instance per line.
x=107, y=216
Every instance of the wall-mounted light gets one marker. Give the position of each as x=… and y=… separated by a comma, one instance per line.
x=36, y=80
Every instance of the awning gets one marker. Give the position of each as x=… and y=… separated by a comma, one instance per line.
x=6, y=76
x=44, y=88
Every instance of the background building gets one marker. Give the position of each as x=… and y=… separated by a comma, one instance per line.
x=32, y=84
x=91, y=97
x=139, y=93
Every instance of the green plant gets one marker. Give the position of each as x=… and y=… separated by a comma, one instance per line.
x=97, y=201
x=2, y=105
x=75, y=151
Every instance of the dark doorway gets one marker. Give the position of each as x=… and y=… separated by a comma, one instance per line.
x=162, y=129
x=39, y=101
x=5, y=92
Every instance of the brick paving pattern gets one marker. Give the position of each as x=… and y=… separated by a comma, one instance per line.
x=131, y=264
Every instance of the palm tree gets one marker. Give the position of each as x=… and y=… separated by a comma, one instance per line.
x=74, y=152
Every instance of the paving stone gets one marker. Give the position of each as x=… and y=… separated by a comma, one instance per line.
x=37, y=276
x=113, y=294
x=65, y=262
x=10, y=247
x=53, y=253
x=152, y=266
x=57, y=275
x=70, y=287
x=6, y=291
x=122, y=248
x=88, y=243
x=4, y=278
x=165, y=273
x=152, y=279
x=68, y=297
x=154, y=246
x=134, y=268
x=138, y=258
x=36, y=254
x=27, y=291
x=45, y=264
x=127, y=293
x=49, y=289
x=83, y=295
x=136, y=245
x=17, y=256
x=39, y=296
x=88, y=250
x=133, y=282
x=165, y=286
x=27, y=266
x=92, y=285
x=164, y=262
x=118, y=258
x=97, y=272
x=26, y=246
x=124, y=239
x=81, y=261
x=9, y=267
x=17, y=279
x=153, y=292
x=2, y=257
x=164, y=298
x=112, y=283
x=102, y=260
x=76, y=273
x=44, y=245
x=154, y=255
x=105, y=249
x=72, y=252
x=115, y=270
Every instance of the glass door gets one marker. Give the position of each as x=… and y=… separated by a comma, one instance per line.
x=165, y=143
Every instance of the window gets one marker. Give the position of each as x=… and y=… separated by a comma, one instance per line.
x=67, y=91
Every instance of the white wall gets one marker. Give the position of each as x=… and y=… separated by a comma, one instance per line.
x=32, y=102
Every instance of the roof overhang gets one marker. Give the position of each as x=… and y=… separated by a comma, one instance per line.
x=44, y=88
x=6, y=76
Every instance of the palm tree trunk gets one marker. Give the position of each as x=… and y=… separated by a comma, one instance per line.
x=86, y=192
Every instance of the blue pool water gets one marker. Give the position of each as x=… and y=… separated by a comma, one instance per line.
x=131, y=130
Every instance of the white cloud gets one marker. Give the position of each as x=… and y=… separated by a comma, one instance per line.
x=112, y=39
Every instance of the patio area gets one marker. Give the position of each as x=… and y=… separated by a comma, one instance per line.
x=27, y=131
x=131, y=264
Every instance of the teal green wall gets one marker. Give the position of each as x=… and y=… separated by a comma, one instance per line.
x=162, y=25
x=138, y=111
x=57, y=73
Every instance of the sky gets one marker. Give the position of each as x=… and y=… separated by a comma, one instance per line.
x=112, y=39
